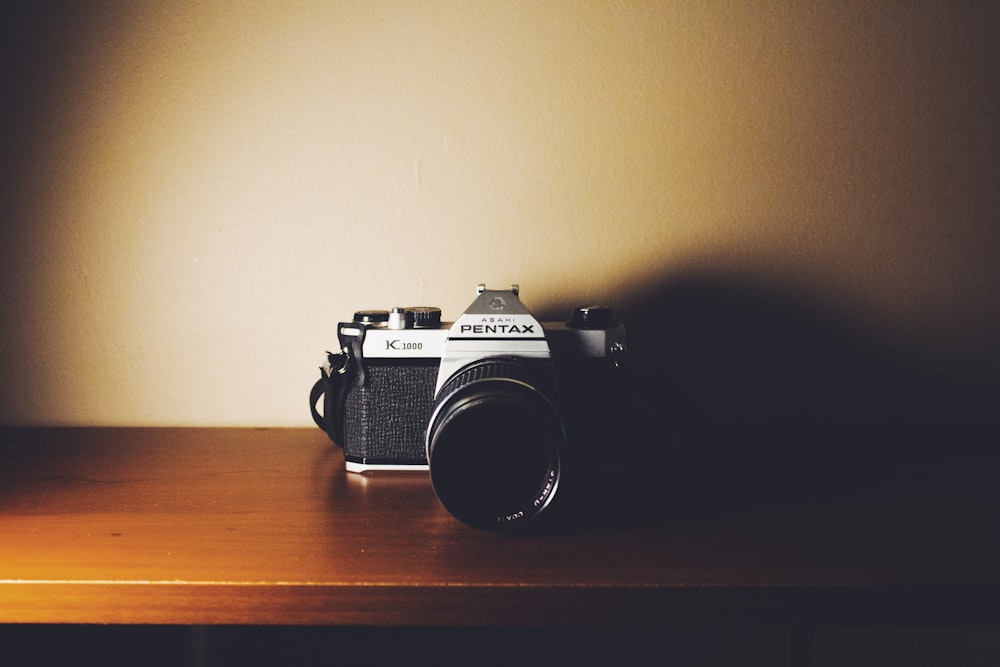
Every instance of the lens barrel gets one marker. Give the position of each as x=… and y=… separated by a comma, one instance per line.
x=495, y=442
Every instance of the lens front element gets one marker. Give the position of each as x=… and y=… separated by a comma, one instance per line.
x=494, y=444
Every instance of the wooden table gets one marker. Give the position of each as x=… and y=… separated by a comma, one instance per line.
x=263, y=526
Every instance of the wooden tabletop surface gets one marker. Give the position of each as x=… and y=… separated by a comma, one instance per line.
x=263, y=526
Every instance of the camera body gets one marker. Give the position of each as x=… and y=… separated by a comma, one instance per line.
x=493, y=404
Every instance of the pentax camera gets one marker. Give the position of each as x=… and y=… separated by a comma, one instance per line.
x=496, y=405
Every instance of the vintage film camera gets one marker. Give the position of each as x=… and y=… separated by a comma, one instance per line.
x=497, y=405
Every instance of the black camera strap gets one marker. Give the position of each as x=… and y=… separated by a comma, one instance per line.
x=341, y=370
x=331, y=388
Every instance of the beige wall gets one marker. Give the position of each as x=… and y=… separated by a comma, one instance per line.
x=195, y=193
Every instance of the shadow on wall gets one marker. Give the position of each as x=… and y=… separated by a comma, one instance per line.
x=747, y=355
x=739, y=394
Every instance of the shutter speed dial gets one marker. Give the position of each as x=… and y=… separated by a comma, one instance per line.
x=414, y=317
x=425, y=317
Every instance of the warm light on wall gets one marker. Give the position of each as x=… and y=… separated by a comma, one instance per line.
x=203, y=190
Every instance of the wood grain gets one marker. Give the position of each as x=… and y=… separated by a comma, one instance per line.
x=263, y=526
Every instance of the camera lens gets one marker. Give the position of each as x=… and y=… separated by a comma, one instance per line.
x=494, y=444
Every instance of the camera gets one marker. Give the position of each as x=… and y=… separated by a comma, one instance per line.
x=496, y=405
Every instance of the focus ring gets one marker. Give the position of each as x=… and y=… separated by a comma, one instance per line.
x=486, y=369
